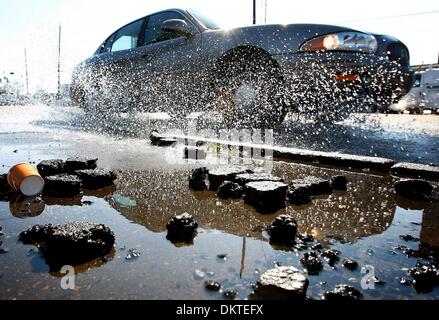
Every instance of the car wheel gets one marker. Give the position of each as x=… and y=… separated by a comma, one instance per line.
x=249, y=94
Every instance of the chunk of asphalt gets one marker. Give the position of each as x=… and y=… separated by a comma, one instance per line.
x=414, y=189
x=300, y=191
x=312, y=262
x=265, y=196
x=229, y=189
x=338, y=183
x=80, y=163
x=70, y=244
x=426, y=276
x=245, y=178
x=96, y=178
x=181, y=227
x=198, y=179
x=415, y=170
x=283, y=229
x=62, y=186
x=350, y=264
x=281, y=282
x=51, y=167
x=219, y=175
x=342, y=292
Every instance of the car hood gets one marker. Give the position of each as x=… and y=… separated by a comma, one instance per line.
x=274, y=38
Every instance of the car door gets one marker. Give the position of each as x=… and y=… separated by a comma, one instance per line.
x=120, y=73
x=167, y=64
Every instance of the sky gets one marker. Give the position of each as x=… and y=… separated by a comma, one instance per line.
x=33, y=24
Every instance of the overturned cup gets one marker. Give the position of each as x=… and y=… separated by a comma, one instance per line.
x=25, y=178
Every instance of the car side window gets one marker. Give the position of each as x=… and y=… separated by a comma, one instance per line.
x=127, y=37
x=106, y=46
x=154, y=33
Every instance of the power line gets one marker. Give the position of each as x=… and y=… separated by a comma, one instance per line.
x=392, y=17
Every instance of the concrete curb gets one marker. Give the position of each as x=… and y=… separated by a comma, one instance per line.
x=383, y=165
x=415, y=170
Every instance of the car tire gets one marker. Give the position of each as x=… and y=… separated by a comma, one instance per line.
x=249, y=92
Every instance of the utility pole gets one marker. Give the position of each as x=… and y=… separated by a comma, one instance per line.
x=254, y=11
x=59, y=63
x=27, y=75
x=265, y=15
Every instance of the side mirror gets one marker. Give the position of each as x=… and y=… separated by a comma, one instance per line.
x=177, y=26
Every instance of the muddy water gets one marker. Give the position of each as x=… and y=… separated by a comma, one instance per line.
x=364, y=223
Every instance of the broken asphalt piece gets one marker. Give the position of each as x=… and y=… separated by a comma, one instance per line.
x=198, y=179
x=338, y=183
x=194, y=153
x=342, y=292
x=265, y=196
x=332, y=255
x=245, y=178
x=316, y=246
x=62, y=186
x=426, y=276
x=51, y=167
x=96, y=178
x=70, y=244
x=219, y=175
x=181, y=227
x=312, y=262
x=407, y=251
x=299, y=194
x=3, y=251
x=212, y=285
x=300, y=191
x=350, y=264
x=316, y=185
x=80, y=163
x=283, y=229
x=281, y=283
x=229, y=189
x=414, y=189
x=36, y=235
x=132, y=253
x=408, y=237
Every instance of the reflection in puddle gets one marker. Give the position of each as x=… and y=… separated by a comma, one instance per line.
x=363, y=223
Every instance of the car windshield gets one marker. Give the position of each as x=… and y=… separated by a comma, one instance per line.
x=205, y=21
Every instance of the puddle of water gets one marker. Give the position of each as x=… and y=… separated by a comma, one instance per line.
x=364, y=223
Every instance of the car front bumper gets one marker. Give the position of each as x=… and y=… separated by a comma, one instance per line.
x=311, y=78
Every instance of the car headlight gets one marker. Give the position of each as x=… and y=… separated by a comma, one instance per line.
x=342, y=41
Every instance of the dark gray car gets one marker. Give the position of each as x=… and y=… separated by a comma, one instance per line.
x=178, y=61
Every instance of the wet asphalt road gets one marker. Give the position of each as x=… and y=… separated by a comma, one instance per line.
x=401, y=137
x=364, y=223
